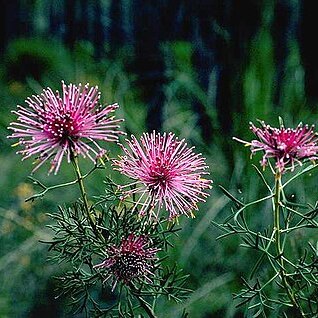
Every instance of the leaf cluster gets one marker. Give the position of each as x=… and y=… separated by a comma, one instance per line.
x=80, y=246
x=277, y=280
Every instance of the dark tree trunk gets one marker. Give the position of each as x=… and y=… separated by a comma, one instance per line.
x=309, y=51
x=116, y=33
x=56, y=19
x=98, y=27
x=83, y=24
x=149, y=64
x=283, y=29
x=9, y=22
x=222, y=31
x=70, y=22
x=203, y=39
x=176, y=22
x=239, y=22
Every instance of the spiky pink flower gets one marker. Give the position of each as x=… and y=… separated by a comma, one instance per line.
x=288, y=146
x=166, y=172
x=51, y=126
x=132, y=259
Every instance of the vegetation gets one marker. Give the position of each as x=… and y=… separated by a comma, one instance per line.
x=206, y=109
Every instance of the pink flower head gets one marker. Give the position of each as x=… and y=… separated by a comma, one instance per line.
x=133, y=259
x=52, y=125
x=166, y=172
x=288, y=146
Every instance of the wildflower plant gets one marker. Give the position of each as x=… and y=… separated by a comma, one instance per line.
x=112, y=248
x=165, y=172
x=118, y=271
x=132, y=259
x=53, y=125
x=284, y=279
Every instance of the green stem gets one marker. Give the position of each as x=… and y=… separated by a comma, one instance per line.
x=279, y=249
x=47, y=189
x=276, y=212
x=146, y=307
x=79, y=176
x=142, y=302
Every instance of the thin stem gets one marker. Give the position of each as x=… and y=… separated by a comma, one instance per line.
x=49, y=188
x=146, y=307
x=142, y=302
x=80, y=179
x=277, y=212
x=279, y=249
x=250, y=204
x=79, y=176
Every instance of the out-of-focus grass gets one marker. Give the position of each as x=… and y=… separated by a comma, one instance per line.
x=215, y=267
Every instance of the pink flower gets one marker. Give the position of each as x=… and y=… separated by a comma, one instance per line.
x=286, y=145
x=51, y=126
x=133, y=259
x=166, y=172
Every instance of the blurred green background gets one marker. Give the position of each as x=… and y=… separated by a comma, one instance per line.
x=201, y=69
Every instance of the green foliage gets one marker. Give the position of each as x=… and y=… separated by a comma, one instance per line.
x=284, y=277
x=215, y=268
x=76, y=242
x=36, y=59
x=259, y=77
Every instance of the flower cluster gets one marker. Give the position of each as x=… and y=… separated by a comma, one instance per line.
x=52, y=125
x=132, y=259
x=166, y=172
x=287, y=146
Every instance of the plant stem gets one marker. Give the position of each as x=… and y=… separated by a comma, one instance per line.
x=276, y=212
x=142, y=302
x=146, y=307
x=79, y=176
x=279, y=249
